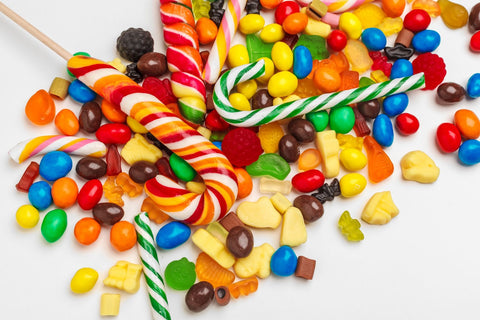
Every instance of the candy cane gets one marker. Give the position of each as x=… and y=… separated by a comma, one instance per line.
x=299, y=107
x=209, y=162
x=338, y=6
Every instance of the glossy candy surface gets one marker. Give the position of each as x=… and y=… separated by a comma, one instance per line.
x=123, y=236
x=448, y=137
x=469, y=152
x=284, y=261
x=302, y=62
x=467, y=123
x=54, y=165
x=87, y=230
x=473, y=86
x=64, y=192
x=374, y=39
x=180, y=274
x=80, y=92
x=54, y=225
x=382, y=130
x=40, y=195
x=66, y=122
x=426, y=41
x=116, y=133
x=395, y=104
x=406, y=124
x=40, y=108
x=172, y=235
x=308, y=181
x=27, y=216
x=90, y=194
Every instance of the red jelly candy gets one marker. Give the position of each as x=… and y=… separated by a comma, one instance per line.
x=416, y=20
x=30, y=174
x=432, y=66
x=162, y=89
x=337, y=40
x=241, y=146
x=406, y=124
x=117, y=133
x=308, y=181
x=380, y=62
x=163, y=166
x=114, y=161
x=285, y=9
x=90, y=194
x=214, y=122
x=448, y=137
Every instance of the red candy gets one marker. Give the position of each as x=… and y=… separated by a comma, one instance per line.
x=406, y=124
x=448, y=137
x=433, y=67
x=117, y=133
x=30, y=174
x=162, y=89
x=416, y=20
x=90, y=194
x=308, y=181
x=214, y=122
x=380, y=62
x=285, y=9
x=114, y=161
x=337, y=40
x=241, y=146
x=475, y=42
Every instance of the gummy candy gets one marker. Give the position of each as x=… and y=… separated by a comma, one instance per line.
x=430, y=6
x=269, y=135
x=154, y=213
x=241, y=146
x=130, y=187
x=370, y=15
x=243, y=287
x=257, y=48
x=180, y=274
x=269, y=164
x=315, y=44
x=453, y=14
x=349, y=227
x=432, y=66
x=209, y=270
x=380, y=209
x=380, y=166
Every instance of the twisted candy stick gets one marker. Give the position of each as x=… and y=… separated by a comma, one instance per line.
x=299, y=107
x=337, y=6
x=151, y=267
x=69, y=144
x=209, y=162
x=228, y=27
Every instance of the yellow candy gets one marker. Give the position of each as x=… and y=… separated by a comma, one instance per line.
x=124, y=276
x=327, y=143
x=251, y=23
x=353, y=159
x=380, y=209
x=272, y=33
x=282, y=84
x=117, y=64
x=109, y=304
x=247, y=88
x=239, y=101
x=391, y=26
x=348, y=141
x=59, y=88
x=357, y=56
x=27, y=216
x=282, y=56
x=195, y=187
x=316, y=27
x=237, y=56
x=378, y=76
x=136, y=126
x=352, y=184
x=138, y=148
x=418, y=166
x=204, y=132
x=351, y=25
x=369, y=15
x=270, y=135
x=271, y=185
x=259, y=214
x=257, y=263
x=269, y=70
x=213, y=247
x=84, y=280
x=280, y=202
x=290, y=98
x=218, y=231
x=294, y=232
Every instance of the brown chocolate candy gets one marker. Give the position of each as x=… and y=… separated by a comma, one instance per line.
x=91, y=168
x=199, y=296
x=288, y=148
x=222, y=295
x=405, y=37
x=142, y=171
x=240, y=241
x=153, y=64
x=305, y=268
x=311, y=207
x=303, y=130
x=230, y=221
x=369, y=109
x=450, y=92
x=107, y=213
x=474, y=18
x=261, y=99
x=90, y=117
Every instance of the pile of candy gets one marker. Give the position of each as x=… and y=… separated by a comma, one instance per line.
x=198, y=139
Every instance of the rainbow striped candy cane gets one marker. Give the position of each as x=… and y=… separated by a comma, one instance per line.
x=209, y=162
x=299, y=107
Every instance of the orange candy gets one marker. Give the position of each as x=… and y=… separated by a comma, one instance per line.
x=467, y=123
x=295, y=23
x=430, y=6
x=123, y=236
x=270, y=4
x=206, y=30
x=112, y=112
x=327, y=79
x=154, y=213
x=393, y=8
x=129, y=186
x=380, y=167
x=112, y=191
x=243, y=287
x=340, y=60
x=245, y=184
x=87, y=231
x=64, y=192
x=40, y=108
x=350, y=80
x=67, y=122
x=309, y=159
x=209, y=270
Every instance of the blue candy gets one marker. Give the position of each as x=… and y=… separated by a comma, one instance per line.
x=302, y=62
x=217, y=144
x=469, y=152
x=172, y=235
x=426, y=41
x=382, y=130
x=283, y=262
x=40, y=195
x=80, y=92
x=473, y=86
x=55, y=165
x=395, y=104
x=401, y=68
x=374, y=39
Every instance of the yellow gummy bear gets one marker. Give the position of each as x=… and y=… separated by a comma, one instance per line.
x=350, y=228
x=327, y=143
x=206, y=242
x=418, y=166
x=259, y=214
x=269, y=135
x=380, y=209
x=346, y=141
x=112, y=191
x=272, y=185
x=138, y=148
x=391, y=26
x=124, y=276
x=257, y=263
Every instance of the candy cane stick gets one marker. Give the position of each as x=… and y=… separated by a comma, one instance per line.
x=299, y=107
x=151, y=267
x=209, y=162
x=337, y=6
x=226, y=32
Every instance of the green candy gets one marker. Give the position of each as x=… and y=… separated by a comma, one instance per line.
x=269, y=164
x=180, y=274
x=349, y=227
x=365, y=81
x=192, y=109
x=182, y=169
x=257, y=48
x=54, y=225
x=342, y=119
x=315, y=44
x=319, y=119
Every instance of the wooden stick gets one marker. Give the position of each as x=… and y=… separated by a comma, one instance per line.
x=35, y=32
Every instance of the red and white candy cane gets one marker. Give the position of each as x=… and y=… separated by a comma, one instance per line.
x=209, y=162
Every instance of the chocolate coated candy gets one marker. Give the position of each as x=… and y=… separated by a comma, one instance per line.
x=261, y=99
x=90, y=117
x=474, y=18
x=288, y=148
x=91, y=168
x=311, y=207
x=141, y=171
x=199, y=296
x=399, y=51
x=240, y=241
x=152, y=64
x=230, y=221
x=222, y=295
x=107, y=213
x=450, y=92
x=369, y=109
x=302, y=130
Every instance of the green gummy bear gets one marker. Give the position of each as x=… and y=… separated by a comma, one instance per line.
x=269, y=164
x=349, y=227
x=180, y=274
x=316, y=44
x=257, y=48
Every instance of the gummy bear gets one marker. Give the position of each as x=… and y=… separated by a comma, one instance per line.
x=243, y=287
x=350, y=228
x=130, y=187
x=269, y=135
x=113, y=192
x=348, y=141
x=154, y=213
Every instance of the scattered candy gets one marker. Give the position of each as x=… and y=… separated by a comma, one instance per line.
x=84, y=280
x=380, y=209
x=350, y=228
x=109, y=304
x=172, y=235
x=27, y=216
x=54, y=225
x=180, y=274
x=418, y=166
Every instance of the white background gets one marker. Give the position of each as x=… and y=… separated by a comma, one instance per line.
x=424, y=264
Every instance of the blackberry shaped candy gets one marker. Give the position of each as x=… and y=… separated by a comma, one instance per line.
x=328, y=192
x=253, y=7
x=133, y=73
x=134, y=43
x=216, y=11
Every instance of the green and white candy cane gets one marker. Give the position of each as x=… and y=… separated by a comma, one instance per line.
x=299, y=107
x=151, y=268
